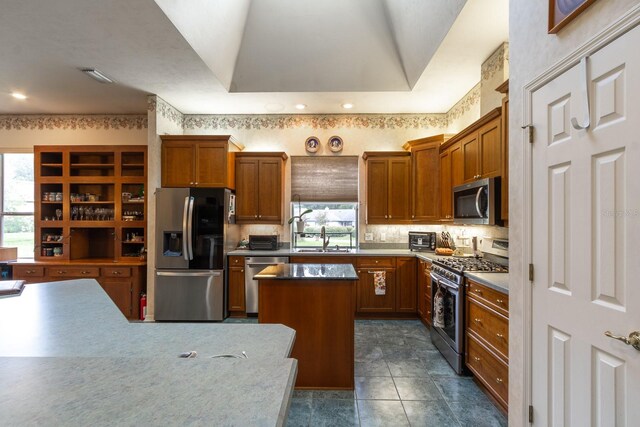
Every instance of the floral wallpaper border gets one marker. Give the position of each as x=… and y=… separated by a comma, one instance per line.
x=73, y=122
x=465, y=104
x=315, y=121
x=166, y=110
x=495, y=62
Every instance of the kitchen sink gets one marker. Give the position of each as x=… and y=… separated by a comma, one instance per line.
x=320, y=250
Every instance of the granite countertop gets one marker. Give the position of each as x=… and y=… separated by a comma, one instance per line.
x=76, y=318
x=497, y=281
x=68, y=353
x=316, y=272
x=145, y=391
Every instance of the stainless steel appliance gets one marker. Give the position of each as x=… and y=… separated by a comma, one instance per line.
x=264, y=242
x=254, y=265
x=195, y=228
x=422, y=241
x=447, y=275
x=477, y=202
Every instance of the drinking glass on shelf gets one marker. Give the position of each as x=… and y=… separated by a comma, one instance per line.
x=74, y=213
x=81, y=213
x=59, y=214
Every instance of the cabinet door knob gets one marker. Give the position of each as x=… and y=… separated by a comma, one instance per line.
x=478, y=291
x=499, y=380
x=259, y=216
x=499, y=301
x=86, y=272
x=359, y=271
x=256, y=216
x=242, y=271
x=61, y=272
x=191, y=183
x=196, y=182
x=389, y=216
x=476, y=358
x=477, y=321
x=115, y=273
x=500, y=336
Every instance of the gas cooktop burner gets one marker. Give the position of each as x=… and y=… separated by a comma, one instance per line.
x=472, y=264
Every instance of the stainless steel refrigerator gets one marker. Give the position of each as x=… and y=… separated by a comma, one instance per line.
x=195, y=229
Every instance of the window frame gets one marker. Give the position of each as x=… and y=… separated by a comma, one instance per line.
x=4, y=214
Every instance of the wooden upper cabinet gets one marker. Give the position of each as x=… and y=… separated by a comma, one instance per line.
x=398, y=189
x=388, y=187
x=377, y=194
x=446, y=204
x=469, y=147
x=260, y=188
x=504, y=184
x=177, y=164
x=490, y=146
x=198, y=161
x=425, y=182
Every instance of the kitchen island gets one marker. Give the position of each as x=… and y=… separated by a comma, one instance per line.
x=68, y=355
x=317, y=300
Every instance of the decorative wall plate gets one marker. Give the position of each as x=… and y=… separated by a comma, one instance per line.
x=335, y=144
x=312, y=144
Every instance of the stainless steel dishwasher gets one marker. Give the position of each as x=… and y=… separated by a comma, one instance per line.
x=252, y=266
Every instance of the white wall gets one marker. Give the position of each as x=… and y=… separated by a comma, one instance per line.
x=532, y=51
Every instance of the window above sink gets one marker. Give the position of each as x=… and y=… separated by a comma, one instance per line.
x=340, y=222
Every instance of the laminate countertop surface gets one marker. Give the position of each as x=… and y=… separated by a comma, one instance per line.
x=66, y=349
x=311, y=272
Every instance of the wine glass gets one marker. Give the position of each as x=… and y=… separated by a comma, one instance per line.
x=59, y=214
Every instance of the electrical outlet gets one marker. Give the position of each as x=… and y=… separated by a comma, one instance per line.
x=368, y=237
x=383, y=237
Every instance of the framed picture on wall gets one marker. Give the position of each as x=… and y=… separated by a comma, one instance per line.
x=561, y=12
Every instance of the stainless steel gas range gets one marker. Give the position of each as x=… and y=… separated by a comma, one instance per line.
x=447, y=297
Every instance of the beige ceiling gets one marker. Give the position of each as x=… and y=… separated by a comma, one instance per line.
x=245, y=56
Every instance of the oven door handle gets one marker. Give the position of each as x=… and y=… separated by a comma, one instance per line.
x=440, y=281
x=478, y=195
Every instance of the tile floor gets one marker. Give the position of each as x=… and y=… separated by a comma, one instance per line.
x=400, y=379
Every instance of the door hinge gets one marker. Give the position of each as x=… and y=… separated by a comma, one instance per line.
x=531, y=272
x=529, y=129
x=531, y=414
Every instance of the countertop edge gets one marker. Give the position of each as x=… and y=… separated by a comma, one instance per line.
x=486, y=282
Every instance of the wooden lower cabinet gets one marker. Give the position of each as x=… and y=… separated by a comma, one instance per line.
x=236, y=303
x=367, y=301
x=487, y=339
x=406, y=289
x=123, y=284
x=424, y=291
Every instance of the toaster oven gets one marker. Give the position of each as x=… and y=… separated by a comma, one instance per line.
x=422, y=241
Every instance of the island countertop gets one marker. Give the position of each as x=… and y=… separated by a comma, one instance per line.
x=308, y=272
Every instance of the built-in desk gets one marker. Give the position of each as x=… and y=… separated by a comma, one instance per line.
x=317, y=301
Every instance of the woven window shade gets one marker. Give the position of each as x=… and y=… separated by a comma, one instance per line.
x=324, y=179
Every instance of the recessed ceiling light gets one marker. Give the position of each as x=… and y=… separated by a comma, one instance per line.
x=18, y=95
x=96, y=75
x=347, y=106
x=301, y=106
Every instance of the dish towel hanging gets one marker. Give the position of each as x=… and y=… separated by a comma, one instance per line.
x=379, y=282
x=438, y=308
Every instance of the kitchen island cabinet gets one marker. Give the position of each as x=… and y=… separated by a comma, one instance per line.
x=317, y=301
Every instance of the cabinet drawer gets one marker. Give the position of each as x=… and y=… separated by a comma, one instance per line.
x=24, y=271
x=494, y=299
x=493, y=372
x=63, y=271
x=236, y=261
x=116, y=272
x=367, y=261
x=490, y=326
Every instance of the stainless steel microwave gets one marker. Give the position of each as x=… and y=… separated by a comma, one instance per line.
x=477, y=202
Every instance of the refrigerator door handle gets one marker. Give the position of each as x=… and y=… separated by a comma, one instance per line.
x=188, y=273
x=190, y=227
x=185, y=235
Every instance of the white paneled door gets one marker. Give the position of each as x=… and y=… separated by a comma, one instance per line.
x=586, y=240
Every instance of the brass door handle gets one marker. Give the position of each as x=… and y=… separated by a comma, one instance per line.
x=633, y=340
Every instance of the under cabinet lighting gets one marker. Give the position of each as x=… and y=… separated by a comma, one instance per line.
x=96, y=75
x=18, y=95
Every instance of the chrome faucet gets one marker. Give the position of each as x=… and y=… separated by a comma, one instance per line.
x=323, y=234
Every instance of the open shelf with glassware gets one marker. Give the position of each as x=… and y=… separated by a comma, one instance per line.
x=89, y=199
